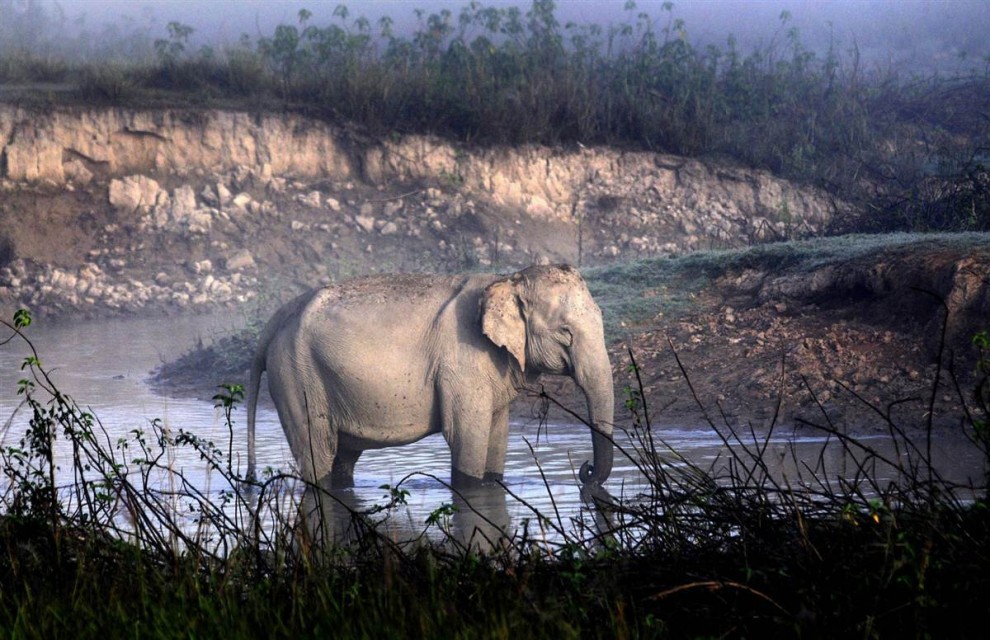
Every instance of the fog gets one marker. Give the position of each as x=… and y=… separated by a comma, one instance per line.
x=913, y=35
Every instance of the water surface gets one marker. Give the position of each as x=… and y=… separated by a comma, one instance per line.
x=105, y=364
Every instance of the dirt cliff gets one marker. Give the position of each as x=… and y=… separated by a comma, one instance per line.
x=178, y=209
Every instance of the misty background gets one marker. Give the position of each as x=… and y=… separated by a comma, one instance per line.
x=882, y=104
x=907, y=35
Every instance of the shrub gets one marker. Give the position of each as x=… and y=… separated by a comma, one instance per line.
x=108, y=83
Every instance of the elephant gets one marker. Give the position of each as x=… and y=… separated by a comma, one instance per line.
x=387, y=360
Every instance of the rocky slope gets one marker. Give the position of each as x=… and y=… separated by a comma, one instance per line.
x=111, y=210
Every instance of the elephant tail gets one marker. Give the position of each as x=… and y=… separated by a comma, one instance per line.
x=254, y=386
x=258, y=366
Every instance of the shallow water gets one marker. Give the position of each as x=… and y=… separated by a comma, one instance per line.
x=104, y=365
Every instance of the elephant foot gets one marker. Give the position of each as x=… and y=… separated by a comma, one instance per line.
x=342, y=480
x=342, y=473
x=462, y=481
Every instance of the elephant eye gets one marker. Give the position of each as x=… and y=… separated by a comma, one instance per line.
x=566, y=337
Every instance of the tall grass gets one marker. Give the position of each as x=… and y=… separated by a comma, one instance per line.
x=126, y=542
x=911, y=151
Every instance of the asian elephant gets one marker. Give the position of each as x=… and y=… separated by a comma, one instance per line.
x=387, y=360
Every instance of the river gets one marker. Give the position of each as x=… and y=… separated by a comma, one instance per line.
x=104, y=365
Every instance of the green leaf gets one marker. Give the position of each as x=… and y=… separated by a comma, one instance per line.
x=22, y=318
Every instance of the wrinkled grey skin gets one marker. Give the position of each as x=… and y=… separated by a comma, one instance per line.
x=387, y=360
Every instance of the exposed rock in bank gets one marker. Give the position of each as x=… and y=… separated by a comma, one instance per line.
x=691, y=201
x=55, y=291
x=280, y=202
x=66, y=144
x=115, y=142
x=687, y=197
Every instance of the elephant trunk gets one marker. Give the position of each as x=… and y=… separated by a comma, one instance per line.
x=594, y=377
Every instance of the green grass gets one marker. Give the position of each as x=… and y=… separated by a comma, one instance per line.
x=632, y=294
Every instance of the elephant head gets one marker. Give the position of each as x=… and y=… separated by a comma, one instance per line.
x=545, y=317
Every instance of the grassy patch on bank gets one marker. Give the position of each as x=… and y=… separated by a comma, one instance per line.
x=634, y=294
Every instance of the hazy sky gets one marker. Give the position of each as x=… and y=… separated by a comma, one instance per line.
x=917, y=33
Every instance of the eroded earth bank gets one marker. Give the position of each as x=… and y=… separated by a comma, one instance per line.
x=107, y=211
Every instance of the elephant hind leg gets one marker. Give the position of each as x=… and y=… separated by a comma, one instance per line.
x=302, y=407
x=315, y=450
x=303, y=410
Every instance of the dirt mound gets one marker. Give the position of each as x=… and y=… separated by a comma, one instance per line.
x=846, y=339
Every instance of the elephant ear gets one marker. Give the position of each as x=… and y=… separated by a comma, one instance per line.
x=502, y=319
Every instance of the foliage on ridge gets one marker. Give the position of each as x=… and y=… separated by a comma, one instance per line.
x=909, y=151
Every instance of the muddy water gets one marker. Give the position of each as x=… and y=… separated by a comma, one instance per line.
x=104, y=366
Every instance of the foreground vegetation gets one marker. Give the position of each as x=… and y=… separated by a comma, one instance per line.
x=117, y=539
x=909, y=152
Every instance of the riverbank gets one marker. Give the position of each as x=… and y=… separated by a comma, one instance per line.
x=831, y=331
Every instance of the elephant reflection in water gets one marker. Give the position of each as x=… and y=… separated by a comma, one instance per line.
x=479, y=519
x=388, y=360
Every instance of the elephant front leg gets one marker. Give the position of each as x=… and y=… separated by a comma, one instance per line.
x=467, y=421
x=498, y=442
x=478, y=437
